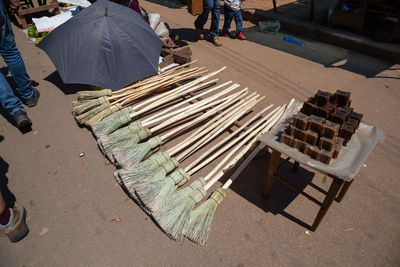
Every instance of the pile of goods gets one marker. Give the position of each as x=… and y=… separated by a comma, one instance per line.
x=325, y=123
x=169, y=105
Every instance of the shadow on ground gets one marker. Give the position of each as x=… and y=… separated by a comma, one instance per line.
x=250, y=185
x=324, y=54
x=7, y=195
x=67, y=89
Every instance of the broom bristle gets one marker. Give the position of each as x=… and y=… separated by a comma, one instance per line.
x=199, y=225
x=128, y=158
x=93, y=94
x=101, y=115
x=82, y=118
x=119, y=135
x=154, y=194
x=174, y=216
x=133, y=140
x=87, y=105
x=152, y=162
x=109, y=125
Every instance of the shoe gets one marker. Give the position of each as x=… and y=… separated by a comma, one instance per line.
x=16, y=229
x=21, y=119
x=225, y=33
x=32, y=101
x=200, y=34
x=215, y=40
x=240, y=36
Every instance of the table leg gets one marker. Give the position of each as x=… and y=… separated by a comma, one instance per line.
x=332, y=192
x=273, y=164
x=343, y=191
x=295, y=167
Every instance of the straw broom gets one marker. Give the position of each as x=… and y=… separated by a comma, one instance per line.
x=131, y=156
x=108, y=126
x=174, y=216
x=153, y=192
x=119, y=118
x=203, y=130
x=107, y=105
x=86, y=95
x=200, y=219
x=82, y=106
x=110, y=142
x=130, y=98
x=184, y=112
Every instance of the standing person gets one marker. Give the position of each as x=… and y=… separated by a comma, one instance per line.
x=232, y=9
x=214, y=7
x=13, y=59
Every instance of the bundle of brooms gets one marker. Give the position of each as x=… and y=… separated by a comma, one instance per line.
x=93, y=106
x=153, y=178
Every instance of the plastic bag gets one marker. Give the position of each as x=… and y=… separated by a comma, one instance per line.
x=154, y=20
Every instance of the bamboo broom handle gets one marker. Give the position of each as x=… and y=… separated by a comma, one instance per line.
x=180, y=91
x=198, y=107
x=158, y=115
x=208, y=126
x=198, y=119
x=220, y=115
x=165, y=100
x=244, y=163
x=248, y=132
x=191, y=112
x=186, y=87
x=141, y=86
x=226, y=139
x=267, y=124
x=179, y=146
x=250, y=157
x=161, y=84
x=222, y=172
x=154, y=77
x=217, y=130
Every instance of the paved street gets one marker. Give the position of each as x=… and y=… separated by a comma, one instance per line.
x=72, y=200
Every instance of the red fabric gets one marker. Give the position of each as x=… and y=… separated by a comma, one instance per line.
x=5, y=216
x=135, y=6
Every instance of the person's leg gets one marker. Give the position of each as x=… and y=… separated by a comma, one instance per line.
x=238, y=20
x=228, y=15
x=13, y=59
x=215, y=11
x=12, y=220
x=202, y=18
x=8, y=100
x=239, y=25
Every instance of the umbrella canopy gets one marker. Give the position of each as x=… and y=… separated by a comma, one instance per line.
x=107, y=45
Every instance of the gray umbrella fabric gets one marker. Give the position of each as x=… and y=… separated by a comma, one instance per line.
x=106, y=45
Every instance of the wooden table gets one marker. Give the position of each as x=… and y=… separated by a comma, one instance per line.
x=342, y=170
x=337, y=189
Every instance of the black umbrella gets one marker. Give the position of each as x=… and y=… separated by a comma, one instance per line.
x=107, y=45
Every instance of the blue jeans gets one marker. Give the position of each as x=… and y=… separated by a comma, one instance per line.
x=13, y=59
x=229, y=13
x=213, y=6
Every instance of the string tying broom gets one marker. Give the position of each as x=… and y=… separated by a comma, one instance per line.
x=107, y=126
x=201, y=218
x=175, y=214
x=130, y=156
